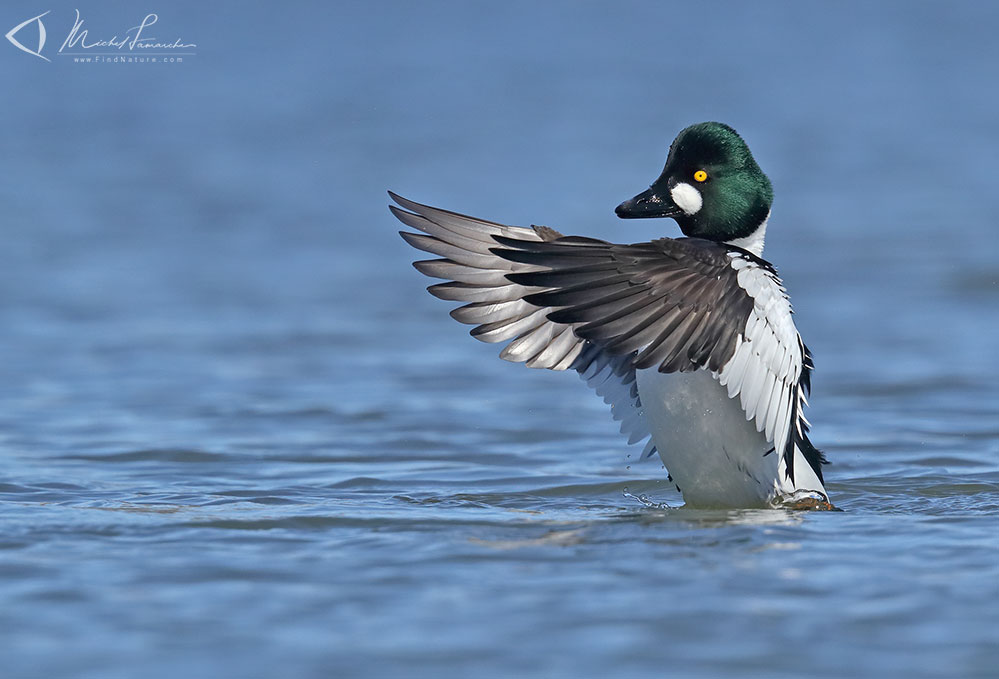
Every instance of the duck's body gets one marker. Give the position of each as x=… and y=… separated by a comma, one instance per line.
x=690, y=340
x=716, y=456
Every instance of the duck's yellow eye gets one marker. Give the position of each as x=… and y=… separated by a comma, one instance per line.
x=700, y=176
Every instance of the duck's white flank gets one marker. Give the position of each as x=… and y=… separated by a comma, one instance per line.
x=715, y=456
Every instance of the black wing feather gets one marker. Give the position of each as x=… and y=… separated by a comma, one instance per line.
x=658, y=295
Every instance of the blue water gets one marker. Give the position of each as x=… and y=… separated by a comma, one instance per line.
x=239, y=439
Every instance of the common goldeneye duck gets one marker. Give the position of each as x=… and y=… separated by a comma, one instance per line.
x=690, y=340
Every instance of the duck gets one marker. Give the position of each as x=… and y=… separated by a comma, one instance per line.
x=690, y=340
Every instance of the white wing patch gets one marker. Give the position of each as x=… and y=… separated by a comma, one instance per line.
x=765, y=369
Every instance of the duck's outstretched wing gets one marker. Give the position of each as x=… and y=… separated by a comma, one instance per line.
x=674, y=304
x=496, y=306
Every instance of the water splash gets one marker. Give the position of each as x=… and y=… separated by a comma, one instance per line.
x=651, y=504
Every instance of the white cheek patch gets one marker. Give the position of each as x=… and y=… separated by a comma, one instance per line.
x=687, y=198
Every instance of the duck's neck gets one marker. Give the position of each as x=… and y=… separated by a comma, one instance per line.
x=754, y=241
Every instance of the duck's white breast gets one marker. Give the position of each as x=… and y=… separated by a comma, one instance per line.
x=715, y=456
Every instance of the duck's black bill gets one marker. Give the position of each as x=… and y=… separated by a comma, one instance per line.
x=648, y=204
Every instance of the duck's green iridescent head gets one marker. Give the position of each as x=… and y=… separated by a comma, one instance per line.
x=711, y=186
